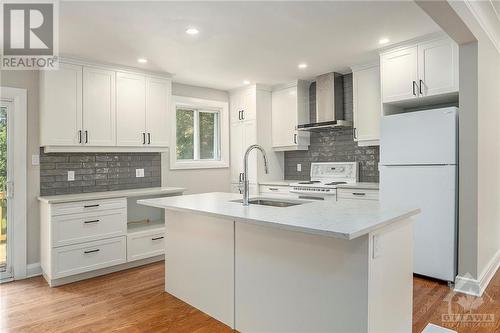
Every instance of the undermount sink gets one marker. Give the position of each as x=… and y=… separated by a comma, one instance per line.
x=272, y=202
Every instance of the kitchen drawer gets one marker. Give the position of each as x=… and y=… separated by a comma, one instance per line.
x=88, y=206
x=145, y=244
x=360, y=194
x=80, y=258
x=86, y=227
x=275, y=190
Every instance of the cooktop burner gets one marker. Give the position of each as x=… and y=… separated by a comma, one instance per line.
x=309, y=182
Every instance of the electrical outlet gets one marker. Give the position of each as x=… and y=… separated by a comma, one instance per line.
x=299, y=167
x=35, y=159
x=139, y=173
x=71, y=176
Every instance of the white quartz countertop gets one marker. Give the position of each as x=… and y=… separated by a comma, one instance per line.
x=364, y=186
x=278, y=182
x=111, y=194
x=347, y=219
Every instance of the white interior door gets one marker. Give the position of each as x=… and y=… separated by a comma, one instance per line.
x=158, y=93
x=130, y=109
x=399, y=75
x=433, y=190
x=99, y=111
x=6, y=190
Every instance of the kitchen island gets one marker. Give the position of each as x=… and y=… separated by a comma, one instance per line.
x=315, y=266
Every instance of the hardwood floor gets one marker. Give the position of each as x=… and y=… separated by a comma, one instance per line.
x=134, y=301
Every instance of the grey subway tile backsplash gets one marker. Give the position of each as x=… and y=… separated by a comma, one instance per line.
x=334, y=146
x=97, y=172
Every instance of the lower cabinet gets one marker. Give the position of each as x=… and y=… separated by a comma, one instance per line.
x=88, y=238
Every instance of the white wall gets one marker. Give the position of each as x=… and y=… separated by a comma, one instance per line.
x=29, y=80
x=200, y=180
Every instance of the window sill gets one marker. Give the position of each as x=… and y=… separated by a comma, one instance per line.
x=199, y=165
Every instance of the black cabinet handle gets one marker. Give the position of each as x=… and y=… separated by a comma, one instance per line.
x=91, y=251
x=239, y=115
x=90, y=206
x=273, y=189
x=242, y=114
x=143, y=138
x=149, y=138
x=413, y=88
x=355, y=133
x=80, y=136
x=93, y=221
x=157, y=238
x=420, y=88
x=358, y=193
x=241, y=177
x=86, y=136
x=295, y=138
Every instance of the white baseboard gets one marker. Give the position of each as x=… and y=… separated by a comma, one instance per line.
x=33, y=270
x=476, y=287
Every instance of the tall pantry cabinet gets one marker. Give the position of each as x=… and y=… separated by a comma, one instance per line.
x=250, y=114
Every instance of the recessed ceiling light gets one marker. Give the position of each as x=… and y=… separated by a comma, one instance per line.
x=246, y=82
x=142, y=60
x=302, y=66
x=383, y=40
x=192, y=31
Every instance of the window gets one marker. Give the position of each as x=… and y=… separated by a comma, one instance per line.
x=201, y=134
x=197, y=134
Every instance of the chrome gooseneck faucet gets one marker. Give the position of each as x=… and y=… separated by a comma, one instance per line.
x=246, y=184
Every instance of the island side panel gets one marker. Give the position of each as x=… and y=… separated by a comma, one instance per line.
x=199, y=263
x=391, y=278
x=290, y=281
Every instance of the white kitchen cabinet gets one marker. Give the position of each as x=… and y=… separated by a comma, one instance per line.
x=61, y=106
x=420, y=71
x=290, y=107
x=158, y=93
x=131, y=109
x=253, y=126
x=399, y=73
x=438, y=67
x=99, y=110
x=367, y=107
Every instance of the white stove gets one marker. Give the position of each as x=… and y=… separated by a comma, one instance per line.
x=325, y=177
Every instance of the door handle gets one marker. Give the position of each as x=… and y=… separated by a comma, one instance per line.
x=90, y=206
x=358, y=193
x=86, y=136
x=91, y=251
x=157, y=238
x=355, y=133
x=295, y=138
x=80, y=136
x=149, y=138
x=143, y=138
x=413, y=88
x=420, y=87
x=93, y=221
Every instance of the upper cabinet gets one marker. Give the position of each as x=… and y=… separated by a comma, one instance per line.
x=367, y=108
x=420, y=71
x=87, y=107
x=290, y=107
x=99, y=111
x=61, y=106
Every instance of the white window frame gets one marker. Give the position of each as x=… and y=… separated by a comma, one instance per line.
x=201, y=105
x=18, y=249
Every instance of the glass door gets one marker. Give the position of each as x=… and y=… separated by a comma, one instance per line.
x=6, y=190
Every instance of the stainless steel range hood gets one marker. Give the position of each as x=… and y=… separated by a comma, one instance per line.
x=329, y=104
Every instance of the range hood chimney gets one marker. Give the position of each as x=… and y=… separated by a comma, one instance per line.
x=329, y=104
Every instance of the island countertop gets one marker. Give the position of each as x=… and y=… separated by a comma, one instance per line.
x=347, y=219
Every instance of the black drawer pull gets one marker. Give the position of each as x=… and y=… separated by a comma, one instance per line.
x=157, y=238
x=91, y=251
x=358, y=193
x=273, y=189
x=90, y=206
x=93, y=221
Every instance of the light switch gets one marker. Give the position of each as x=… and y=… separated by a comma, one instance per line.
x=299, y=167
x=71, y=176
x=139, y=173
x=35, y=159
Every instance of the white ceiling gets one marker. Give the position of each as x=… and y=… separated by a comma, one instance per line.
x=260, y=42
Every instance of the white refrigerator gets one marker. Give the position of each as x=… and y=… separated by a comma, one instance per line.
x=418, y=168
